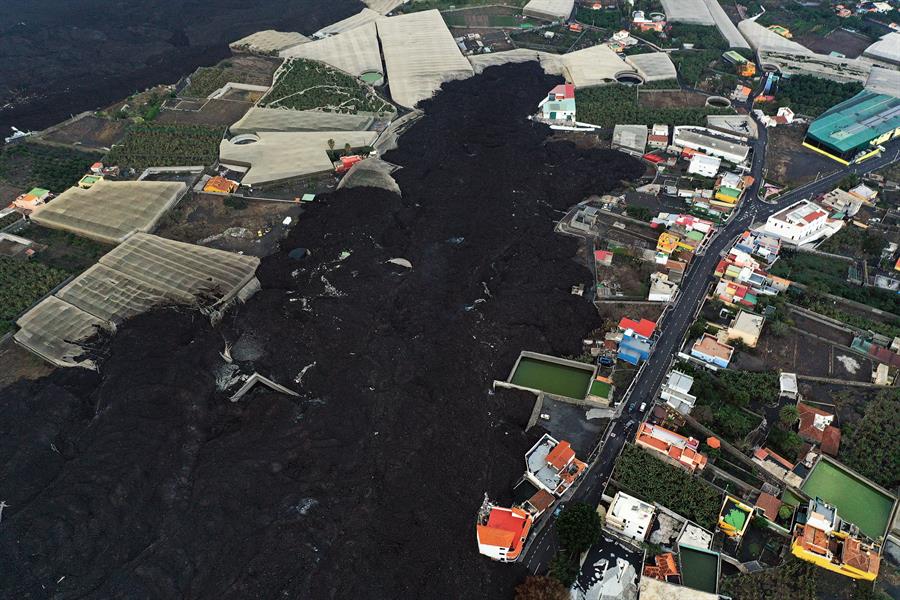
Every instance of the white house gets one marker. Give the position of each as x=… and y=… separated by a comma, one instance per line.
x=801, y=223
x=705, y=166
x=629, y=516
x=676, y=392
x=661, y=289
x=559, y=105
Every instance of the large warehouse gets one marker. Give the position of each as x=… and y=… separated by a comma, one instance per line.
x=850, y=131
x=550, y=10
x=142, y=272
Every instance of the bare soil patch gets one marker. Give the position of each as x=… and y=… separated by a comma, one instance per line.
x=89, y=132
x=788, y=162
x=214, y=113
x=849, y=44
x=664, y=99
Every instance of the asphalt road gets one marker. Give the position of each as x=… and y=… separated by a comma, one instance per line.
x=676, y=323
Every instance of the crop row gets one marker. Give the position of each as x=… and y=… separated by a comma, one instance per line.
x=151, y=145
x=310, y=85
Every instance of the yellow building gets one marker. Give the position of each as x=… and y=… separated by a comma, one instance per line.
x=822, y=538
x=667, y=242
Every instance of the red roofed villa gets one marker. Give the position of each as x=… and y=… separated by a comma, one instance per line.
x=501, y=532
x=642, y=329
x=673, y=448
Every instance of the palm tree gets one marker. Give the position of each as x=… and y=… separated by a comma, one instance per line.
x=331, y=144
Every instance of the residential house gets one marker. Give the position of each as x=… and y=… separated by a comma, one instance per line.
x=711, y=143
x=866, y=194
x=501, y=532
x=629, y=516
x=642, y=329
x=603, y=257
x=658, y=139
x=676, y=392
x=776, y=465
x=559, y=105
x=27, y=202
x=746, y=327
x=551, y=465
x=821, y=537
x=664, y=568
x=840, y=203
x=768, y=506
x=670, y=446
x=710, y=350
x=816, y=427
x=661, y=289
x=787, y=383
x=703, y=165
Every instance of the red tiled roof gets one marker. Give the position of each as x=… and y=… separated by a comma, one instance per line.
x=769, y=505
x=643, y=328
x=813, y=216
x=807, y=419
x=542, y=500
x=831, y=440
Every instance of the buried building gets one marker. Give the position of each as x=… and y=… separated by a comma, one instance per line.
x=143, y=272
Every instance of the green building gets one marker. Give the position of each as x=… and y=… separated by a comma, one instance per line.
x=852, y=130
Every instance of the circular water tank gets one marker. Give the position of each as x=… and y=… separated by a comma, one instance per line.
x=718, y=102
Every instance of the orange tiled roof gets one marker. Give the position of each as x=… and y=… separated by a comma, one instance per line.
x=561, y=455
x=769, y=505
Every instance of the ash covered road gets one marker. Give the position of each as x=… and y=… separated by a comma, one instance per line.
x=145, y=482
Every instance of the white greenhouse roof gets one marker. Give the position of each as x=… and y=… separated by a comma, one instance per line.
x=270, y=40
x=420, y=55
x=480, y=62
x=886, y=49
x=384, y=6
x=761, y=38
x=110, y=210
x=366, y=15
x=354, y=51
x=654, y=66
x=588, y=67
x=279, y=156
x=142, y=272
x=728, y=29
x=884, y=81
x=280, y=119
x=688, y=11
x=549, y=9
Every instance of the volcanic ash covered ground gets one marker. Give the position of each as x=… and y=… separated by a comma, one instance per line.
x=145, y=481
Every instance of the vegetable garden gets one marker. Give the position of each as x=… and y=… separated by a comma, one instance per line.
x=150, y=145
x=310, y=85
x=22, y=283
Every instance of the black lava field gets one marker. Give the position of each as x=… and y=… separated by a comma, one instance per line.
x=62, y=57
x=144, y=481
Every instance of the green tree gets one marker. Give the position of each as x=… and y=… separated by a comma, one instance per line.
x=578, y=527
x=563, y=569
x=331, y=144
x=788, y=415
x=697, y=328
x=541, y=588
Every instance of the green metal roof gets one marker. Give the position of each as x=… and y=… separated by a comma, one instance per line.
x=600, y=389
x=729, y=191
x=39, y=192
x=856, y=121
x=736, y=518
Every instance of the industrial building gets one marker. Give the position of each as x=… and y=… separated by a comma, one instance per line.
x=711, y=143
x=852, y=130
x=110, y=211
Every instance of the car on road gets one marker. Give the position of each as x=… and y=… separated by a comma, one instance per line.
x=558, y=510
x=631, y=406
x=643, y=406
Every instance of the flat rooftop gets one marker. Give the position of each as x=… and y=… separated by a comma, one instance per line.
x=856, y=121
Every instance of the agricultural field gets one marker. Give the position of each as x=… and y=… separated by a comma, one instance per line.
x=30, y=164
x=811, y=96
x=9, y=219
x=604, y=18
x=310, y=85
x=64, y=251
x=249, y=69
x=608, y=105
x=653, y=480
x=22, y=283
x=830, y=276
x=152, y=145
x=562, y=41
x=489, y=16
